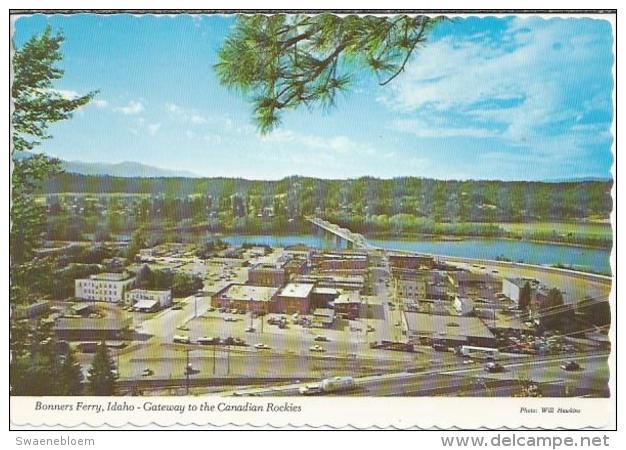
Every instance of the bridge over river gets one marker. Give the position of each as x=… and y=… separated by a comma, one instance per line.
x=353, y=240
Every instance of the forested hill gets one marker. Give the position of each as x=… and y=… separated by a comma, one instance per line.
x=449, y=200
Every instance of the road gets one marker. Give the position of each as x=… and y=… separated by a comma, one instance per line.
x=454, y=382
x=163, y=326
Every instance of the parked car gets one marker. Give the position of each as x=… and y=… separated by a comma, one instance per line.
x=261, y=346
x=494, y=367
x=317, y=348
x=321, y=339
x=205, y=340
x=147, y=372
x=229, y=319
x=570, y=366
x=250, y=330
x=181, y=339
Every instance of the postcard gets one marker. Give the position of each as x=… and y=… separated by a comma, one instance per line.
x=396, y=220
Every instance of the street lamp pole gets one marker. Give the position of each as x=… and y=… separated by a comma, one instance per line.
x=187, y=372
x=228, y=359
x=214, y=350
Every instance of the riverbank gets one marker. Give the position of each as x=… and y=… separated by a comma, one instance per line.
x=409, y=236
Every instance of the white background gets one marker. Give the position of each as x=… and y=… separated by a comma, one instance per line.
x=235, y=439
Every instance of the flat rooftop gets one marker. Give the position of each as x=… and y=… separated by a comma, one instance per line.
x=92, y=324
x=348, y=297
x=146, y=304
x=446, y=326
x=333, y=278
x=268, y=267
x=299, y=290
x=107, y=276
x=343, y=256
x=410, y=256
x=247, y=292
x=148, y=291
x=325, y=291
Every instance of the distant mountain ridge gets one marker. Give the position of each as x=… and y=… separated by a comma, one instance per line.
x=578, y=180
x=126, y=169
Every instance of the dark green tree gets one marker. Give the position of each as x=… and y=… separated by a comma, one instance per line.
x=30, y=375
x=138, y=240
x=40, y=365
x=70, y=376
x=145, y=278
x=286, y=61
x=184, y=284
x=554, y=316
x=101, y=377
x=525, y=297
x=36, y=105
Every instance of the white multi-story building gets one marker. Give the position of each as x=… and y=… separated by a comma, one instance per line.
x=512, y=287
x=104, y=287
x=146, y=297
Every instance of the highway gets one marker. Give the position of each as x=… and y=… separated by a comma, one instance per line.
x=457, y=381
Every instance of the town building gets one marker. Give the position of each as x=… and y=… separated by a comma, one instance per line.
x=410, y=261
x=451, y=331
x=104, y=287
x=341, y=262
x=30, y=311
x=267, y=275
x=512, y=287
x=342, y=282
x=348, y=305
x=295, y=298
x=82, y=309
x=296, y=266
x=412, y=285
x=475, y=285
x=148, y=300
x=246, y=297
x=88, y=329
x=323, y=318
x=322, y=297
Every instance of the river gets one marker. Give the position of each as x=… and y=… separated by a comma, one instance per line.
x=588, y=259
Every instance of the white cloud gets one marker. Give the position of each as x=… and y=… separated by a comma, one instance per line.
x=100, y=103
x=132, y=108
x=514, y=85
x=173, y=108
x=335, y=144
x=188, y=115
x=197, y=119
x=421, y=128
x=153, y=128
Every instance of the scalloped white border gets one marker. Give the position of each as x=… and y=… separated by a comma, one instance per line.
x=452, y=413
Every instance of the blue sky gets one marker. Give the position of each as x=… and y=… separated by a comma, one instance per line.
x=513, y=98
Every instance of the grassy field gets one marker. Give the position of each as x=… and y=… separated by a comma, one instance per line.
x=591, y=229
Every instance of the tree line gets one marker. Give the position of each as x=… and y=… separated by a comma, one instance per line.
x=439, y=200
